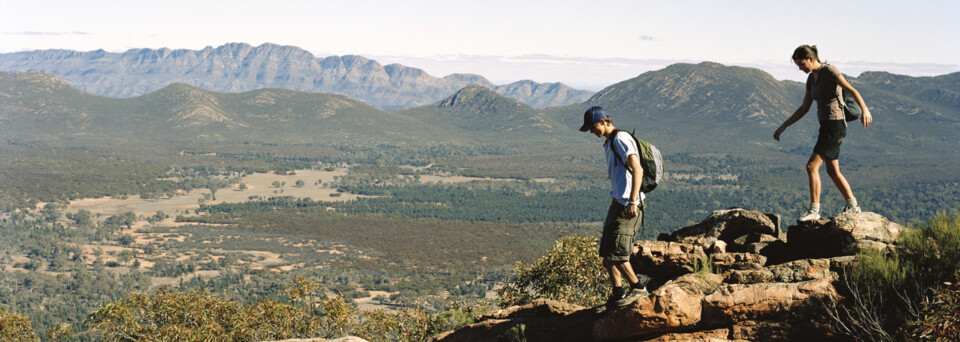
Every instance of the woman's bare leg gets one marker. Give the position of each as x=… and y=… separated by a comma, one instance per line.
x=813, y=176
x=833, y=170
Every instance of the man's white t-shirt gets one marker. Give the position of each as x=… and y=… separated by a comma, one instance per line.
x=621, y=180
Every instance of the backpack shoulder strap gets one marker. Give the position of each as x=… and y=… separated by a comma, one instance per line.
x=617, y=155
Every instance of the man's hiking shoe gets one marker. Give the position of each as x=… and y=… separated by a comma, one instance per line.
x=850, y=209
x=636, y=288
x=631, y=296
x=610, y=303
x=615, y=301
x=810, y=215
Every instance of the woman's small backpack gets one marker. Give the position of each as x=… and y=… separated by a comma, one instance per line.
x=851, y=109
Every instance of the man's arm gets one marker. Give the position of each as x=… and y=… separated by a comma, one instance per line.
x=634, y=200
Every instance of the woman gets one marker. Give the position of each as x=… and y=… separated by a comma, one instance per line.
x=823, y=85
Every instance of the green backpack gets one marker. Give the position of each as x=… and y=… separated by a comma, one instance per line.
x=650, y=160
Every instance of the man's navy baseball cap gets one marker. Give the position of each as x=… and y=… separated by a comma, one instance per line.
x=591, y=116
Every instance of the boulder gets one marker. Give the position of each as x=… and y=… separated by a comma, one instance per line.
x=674, y=306
x=869, y=230
x=791, y=272
x=842, y=235
x=537, y=308
x=718, y=247
x=751, y=243
x=777, y=252
x=733, y=303
x=723, y=262
x=801, y=329
x=487, y=330
x=663, y=260
x=761, y=331
x=728, y=225
x=713, y=335
x=541, y=320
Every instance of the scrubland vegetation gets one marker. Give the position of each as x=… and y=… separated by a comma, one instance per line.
x=430, y=254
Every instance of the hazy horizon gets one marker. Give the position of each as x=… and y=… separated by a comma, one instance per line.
x=584, y=45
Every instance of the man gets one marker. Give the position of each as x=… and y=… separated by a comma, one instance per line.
x=626, y=207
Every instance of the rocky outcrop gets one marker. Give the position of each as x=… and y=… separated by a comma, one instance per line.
x=674, y=306
x=722, y=262
x=729, y=225
x=742, y=295
x=843, y=235
x=541, y=320
x=666, y=260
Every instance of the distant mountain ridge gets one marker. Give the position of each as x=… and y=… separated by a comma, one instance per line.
x=239, y=67
x=693, y=108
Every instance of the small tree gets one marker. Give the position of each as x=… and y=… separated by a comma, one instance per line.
x=886, y=290
x=16, y=327
x=125, y=256
x=570, y=272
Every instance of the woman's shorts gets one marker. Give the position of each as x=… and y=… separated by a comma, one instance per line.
x=831, y=136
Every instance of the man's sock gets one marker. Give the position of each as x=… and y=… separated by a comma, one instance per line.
x=815, y=207
x=618, y=291
x=852, y=202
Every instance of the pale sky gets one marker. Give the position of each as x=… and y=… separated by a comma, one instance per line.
x=584, y=44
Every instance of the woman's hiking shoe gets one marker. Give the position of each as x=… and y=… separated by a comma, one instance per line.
x=850, y=209
x=810, y=215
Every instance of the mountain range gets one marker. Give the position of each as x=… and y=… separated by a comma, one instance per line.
x=239, y=67
x=696, y=108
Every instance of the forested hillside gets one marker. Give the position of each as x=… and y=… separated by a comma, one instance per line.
x=428, y=207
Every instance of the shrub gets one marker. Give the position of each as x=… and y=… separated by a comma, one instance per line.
x=199, y=316
x=939, y=318
x=408, y=325
x=886, y=291
x=570, y=272
x=932, y=251
x=15, y=327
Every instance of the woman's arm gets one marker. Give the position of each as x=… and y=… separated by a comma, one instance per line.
x=865, y=118
x=804, y=108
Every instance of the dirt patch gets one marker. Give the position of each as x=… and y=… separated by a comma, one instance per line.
x=258, y=185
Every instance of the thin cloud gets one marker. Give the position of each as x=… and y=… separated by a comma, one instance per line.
x=647, y=38
x=38, y=33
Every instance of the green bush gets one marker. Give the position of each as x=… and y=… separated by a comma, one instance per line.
x=15, y=327
x=199, y=316
x=885, y=291
x=932, y=251
x=309, y=313
x=939, y=318
x=412, y=325
x=570, y=272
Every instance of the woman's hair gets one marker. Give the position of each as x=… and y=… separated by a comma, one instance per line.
x=805, y=51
